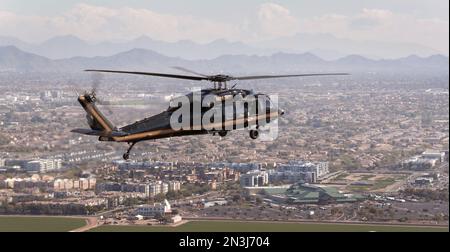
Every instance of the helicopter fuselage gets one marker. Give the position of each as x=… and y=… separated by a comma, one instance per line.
x=225, y=117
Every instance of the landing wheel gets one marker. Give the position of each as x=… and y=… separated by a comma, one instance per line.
x=223, y=133
x=254, y=134
x=126, y=156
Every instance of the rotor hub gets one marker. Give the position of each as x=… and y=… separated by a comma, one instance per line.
x=220, y=78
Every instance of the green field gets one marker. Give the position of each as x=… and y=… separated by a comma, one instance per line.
x=39, y=224
x=223, y=226
x=378, y=184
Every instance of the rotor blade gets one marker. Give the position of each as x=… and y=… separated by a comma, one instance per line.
x=285, y=76
x=184, y=77
x=188, y=71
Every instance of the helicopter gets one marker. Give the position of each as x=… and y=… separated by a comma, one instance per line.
x=256, y=110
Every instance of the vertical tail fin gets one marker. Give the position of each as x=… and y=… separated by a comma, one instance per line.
x=96, y=120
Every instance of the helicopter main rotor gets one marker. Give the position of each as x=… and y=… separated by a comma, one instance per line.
x=220, y=80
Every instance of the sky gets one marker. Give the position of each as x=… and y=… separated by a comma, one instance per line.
x=400, y=21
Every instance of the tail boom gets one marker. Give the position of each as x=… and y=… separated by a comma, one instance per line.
x=97, y=121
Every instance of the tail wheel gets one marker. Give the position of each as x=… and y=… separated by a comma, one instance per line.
x=254, y=134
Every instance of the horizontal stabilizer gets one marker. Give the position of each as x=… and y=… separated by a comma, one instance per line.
x=90, y=132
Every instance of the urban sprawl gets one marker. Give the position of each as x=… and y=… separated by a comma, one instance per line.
x=369, y=149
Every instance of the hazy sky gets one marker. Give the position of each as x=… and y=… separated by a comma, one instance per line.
x=424, y=22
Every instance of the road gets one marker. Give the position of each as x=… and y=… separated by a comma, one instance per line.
x=91, y=222
x=323, y=222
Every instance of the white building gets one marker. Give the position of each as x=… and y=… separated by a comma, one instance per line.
x=419, y=163
x=154, y=210
x=158, y=187
x=176, y=219
x=431, y=154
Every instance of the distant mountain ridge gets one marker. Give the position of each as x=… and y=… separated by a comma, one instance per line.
x=64, y=47
x=325, y=46
x=13, y=59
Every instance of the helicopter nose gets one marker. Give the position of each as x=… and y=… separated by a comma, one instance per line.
x=281, y=112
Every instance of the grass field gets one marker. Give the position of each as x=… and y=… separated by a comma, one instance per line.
x=39, y=224
x=377, y=182
x=222, y=226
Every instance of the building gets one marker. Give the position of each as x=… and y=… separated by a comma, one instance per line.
x=158, y=187
x=255, y=178
x=299, y=171
x=174, y=186
x=434, y=155
x=424, y=181
x=25, y=183
x=2, y=162
x=149, y=189
x=427, y=160
x=176, y=219
x=320, y=168
x=215, y=203
x=419, y=163
x=309, y=194
x=43, y=165
x=82, y=184
x=155, y=210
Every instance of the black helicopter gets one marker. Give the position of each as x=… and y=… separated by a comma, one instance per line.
x=160, y=126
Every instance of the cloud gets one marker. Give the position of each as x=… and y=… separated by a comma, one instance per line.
x=382, y=25
x=370, y=18
x=276, y=20
x=101, y=23
x=269, y=20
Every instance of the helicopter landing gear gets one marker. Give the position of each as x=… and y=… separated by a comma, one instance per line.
x=126, y=156
x=254, y=134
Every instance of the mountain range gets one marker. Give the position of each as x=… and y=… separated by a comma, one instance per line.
x=13, y=59
x=325, y=46
x=70, y=46
x=330, y=47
